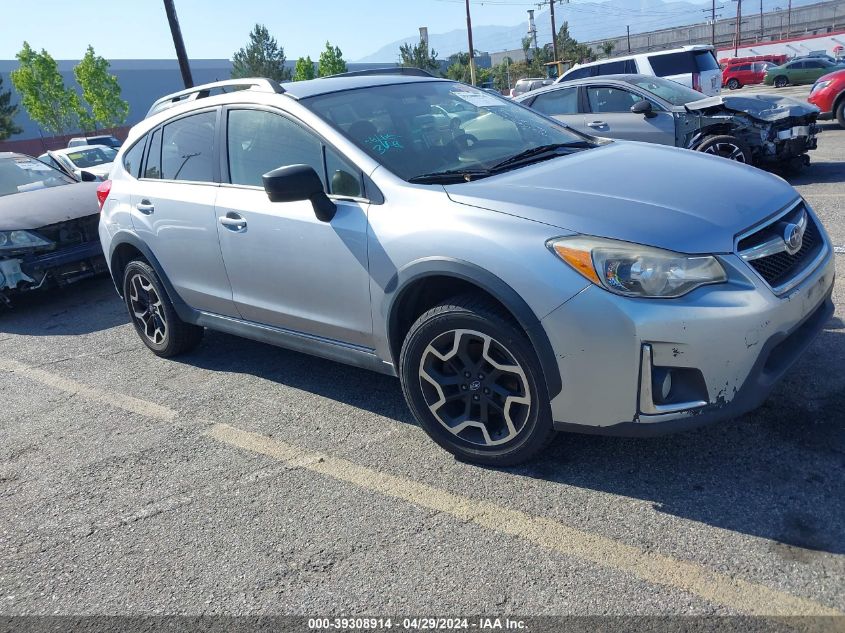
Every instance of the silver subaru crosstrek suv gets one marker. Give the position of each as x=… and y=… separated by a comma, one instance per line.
x=518, y=277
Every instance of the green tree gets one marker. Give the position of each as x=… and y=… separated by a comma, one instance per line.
x=43, y=93
x=304, y=69
x=262, y=57
x=419, y=56
x=7, y=114
x=607, y=48
x=101, y=93
x=330, y=62
x=459, y=69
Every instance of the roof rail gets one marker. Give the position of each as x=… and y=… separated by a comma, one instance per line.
x=388, y=70
x=260, y=84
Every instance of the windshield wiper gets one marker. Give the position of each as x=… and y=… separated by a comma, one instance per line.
x=541, y=152
x=450, y=176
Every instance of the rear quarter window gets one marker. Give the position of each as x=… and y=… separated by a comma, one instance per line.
x=132, y=158
x=685, y=62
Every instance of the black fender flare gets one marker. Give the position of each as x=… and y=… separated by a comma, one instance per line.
x=185, y=312
x=405, y=278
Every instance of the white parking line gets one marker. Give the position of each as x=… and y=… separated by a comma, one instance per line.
x=715, y=587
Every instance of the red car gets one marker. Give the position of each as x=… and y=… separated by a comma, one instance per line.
x=739, y=74
x=828, y=95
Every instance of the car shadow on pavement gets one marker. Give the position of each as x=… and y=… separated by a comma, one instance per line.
x=373, y=392
x=88, y=306
x=775, y=473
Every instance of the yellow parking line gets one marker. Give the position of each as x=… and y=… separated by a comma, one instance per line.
x=127, y=403
x=736, y=593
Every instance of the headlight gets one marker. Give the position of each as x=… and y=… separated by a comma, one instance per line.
x=819, y=85
x=16, y=240
x=633, y=270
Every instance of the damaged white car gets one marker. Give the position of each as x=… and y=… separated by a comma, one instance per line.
x=48, y=227
x=756, y=129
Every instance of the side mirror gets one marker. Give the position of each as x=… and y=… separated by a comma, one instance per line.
x=87, y=176
x=643, y=107
x=299, y=182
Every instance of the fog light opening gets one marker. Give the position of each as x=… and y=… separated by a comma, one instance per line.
x=662, y=388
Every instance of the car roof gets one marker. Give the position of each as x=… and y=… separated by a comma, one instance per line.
x=14, y=154
x=617, y=58
x=625, y=79
x=326, y=85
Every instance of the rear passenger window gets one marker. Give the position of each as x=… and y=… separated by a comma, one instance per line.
x=153, y=168
x=132, y=158
x=260, y=141
x=187, y=148
x=563, y=101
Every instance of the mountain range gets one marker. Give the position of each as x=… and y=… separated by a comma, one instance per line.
x=588, y=21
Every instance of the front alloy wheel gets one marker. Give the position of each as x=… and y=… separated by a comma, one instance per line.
x=474, y=387
x=473, y=381
x=726, y=146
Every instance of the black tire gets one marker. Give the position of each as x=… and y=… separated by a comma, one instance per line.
x=781, y=81
x=726, y=146
x=734, y=84
x=508, y=400
x=160, y=328
x=840, y=112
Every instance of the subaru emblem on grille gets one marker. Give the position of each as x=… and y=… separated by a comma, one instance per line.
x=793, y=238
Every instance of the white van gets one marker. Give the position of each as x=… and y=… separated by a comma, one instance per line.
x=693, y=66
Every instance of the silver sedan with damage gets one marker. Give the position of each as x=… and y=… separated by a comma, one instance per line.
x=755, y=129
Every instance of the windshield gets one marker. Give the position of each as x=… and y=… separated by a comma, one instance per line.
x=91, y=157
x=22, y=173
x=421, y=128
x=670, y=91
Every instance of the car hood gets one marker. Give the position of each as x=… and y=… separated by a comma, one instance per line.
x=649, y=194
x=98, y=170
x=836, y=74
x=42, y=207
x=760, y=106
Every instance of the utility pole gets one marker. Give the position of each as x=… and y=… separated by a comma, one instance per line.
x=471, y=49
x=788, y=19
x=762, y=30
x=712, y=21
x=179, y=43
x=628, y=31
x=738, y=35
x=554, y=29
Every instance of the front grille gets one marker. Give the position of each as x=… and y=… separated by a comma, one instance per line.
x=72, y=232
x=778, y=269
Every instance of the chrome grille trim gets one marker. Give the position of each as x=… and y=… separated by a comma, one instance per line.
x=754, y=256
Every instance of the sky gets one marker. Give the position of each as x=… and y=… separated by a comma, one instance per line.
x=214, y=29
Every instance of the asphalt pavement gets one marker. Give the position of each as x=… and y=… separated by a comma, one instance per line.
x=246, y=479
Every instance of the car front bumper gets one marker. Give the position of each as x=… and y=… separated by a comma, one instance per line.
x=730, y=344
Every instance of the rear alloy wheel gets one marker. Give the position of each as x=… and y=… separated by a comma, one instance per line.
x=840, y=112
x=152, y=314
x=781, y=82
x=733, y=84
x=473, y=381
x=726, y=146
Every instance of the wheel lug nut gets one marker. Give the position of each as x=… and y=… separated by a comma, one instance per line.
x=486, y=390
x=481, y=376
x=464, y=387
x=467, y=374
x=475, y=397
